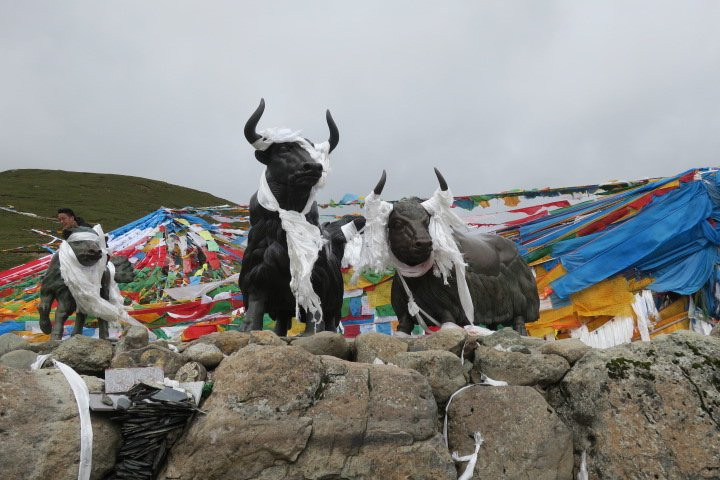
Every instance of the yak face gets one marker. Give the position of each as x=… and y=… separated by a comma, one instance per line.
x=124, y=272
x=408, y=233
x=86, y=251
x=290, y=165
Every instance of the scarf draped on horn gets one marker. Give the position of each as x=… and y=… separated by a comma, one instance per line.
x=303, y=238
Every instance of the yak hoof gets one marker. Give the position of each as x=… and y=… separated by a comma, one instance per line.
x=45, y=326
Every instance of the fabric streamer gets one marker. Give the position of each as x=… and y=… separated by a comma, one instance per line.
x=471, y=459
x=84, y=282
x=82, y=397
x=375, y=252
x=303, y=238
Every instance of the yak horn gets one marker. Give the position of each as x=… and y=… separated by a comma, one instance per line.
x=381, y=184
x=441, y=180
x=251, y=125
x=334, y=134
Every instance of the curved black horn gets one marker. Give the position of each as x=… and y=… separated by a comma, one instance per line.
x=334, y=134
x=381, y=184
x=441, y=180
x=251, y=125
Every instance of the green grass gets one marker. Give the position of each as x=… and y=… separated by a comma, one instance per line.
x=111, y=200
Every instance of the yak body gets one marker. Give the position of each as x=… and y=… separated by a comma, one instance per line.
x=501, y=284
x=53, y=288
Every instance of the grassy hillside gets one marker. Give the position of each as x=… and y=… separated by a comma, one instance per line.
x=111, y=200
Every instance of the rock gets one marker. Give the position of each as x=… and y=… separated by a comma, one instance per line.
x=228, y=342
x=646, y=410
x=442, y=369
x=571, y=349
x=265, y=337
x=84, y=354
x=449, y=339
x=94, y=384
x=523, y=436
x=518, y=368
x=9, y=342
x=204, y=353
x=507, y=337
x=324, y=343
x=715, y=332
x=21, y=359
x=136, y=337
x=40, y=428
x=374, y=345
x=43, y=348
x=150, y=356
x=282, y=412
x=191, y=372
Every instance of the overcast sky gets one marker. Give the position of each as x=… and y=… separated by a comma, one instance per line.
x=498, y=94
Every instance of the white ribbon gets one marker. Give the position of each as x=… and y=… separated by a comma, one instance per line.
x=471, y=459
x=303, y=238
x=375, y=251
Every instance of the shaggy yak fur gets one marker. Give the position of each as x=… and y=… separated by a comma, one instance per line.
x=501, y=284
x=265, y=276
x=53, y=288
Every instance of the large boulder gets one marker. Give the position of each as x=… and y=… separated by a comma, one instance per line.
x=21, y=359
x=509, y=338
x=646, y=410
x=324, y=343
x=265, y=337
x=206, y=354
x=571, y=349
x=523, y=437
x=228, y=342
x=518, y=367
x=150, y=356
x=372, y=345
x=451, y=339
x=282, y=412
x=40, y=428
x=136, y=337
x=443, y=370
x=10, y=341
x=84, y=354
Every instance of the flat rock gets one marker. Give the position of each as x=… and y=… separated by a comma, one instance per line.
x=9, y=342
x=206, y=354
x=228, y=342
x=646, y=410
x=43, y=348
x=372, y=345
x=21, y=359
x=507, y=337
x=571, y=349
x=324, y=343
x=518, y=368
x=449, y=339
x=441, y=368
x=40, y=428
x=84, y=354
x=150, y=356
x=523, y=436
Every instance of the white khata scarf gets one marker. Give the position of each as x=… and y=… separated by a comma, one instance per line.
x=303, y=238
x=377, y=256
x=84, y=282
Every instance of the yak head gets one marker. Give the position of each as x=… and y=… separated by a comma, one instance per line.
x=408, y=227
x=124, y=272
x=291, y=172
x=87, y=252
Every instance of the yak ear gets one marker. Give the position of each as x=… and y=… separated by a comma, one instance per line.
x=262, y=157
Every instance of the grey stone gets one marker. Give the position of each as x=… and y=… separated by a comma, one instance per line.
x=449, y=339
x=324, y=343
x=118, y=380
x=518, y=368
x=40, y=428
x=523, y=436
x=507, y=337
x=206, y=354
x=9, y=342
x=84, y=354
x=228, y=342
x=21, y=359
x=191, y=372
x=136, y=337
x=43, y=348
x=441, y=368
x=374, y=345
x=571, y=349
x=150, y=356
x=646, y=410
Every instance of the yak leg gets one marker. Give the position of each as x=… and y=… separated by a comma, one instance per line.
x=103, y=330
x=254, y=312
x=65, y=306
x=46, y=300
x=79, y=323
x=520, y=326
x=281, y=325
x=405, y=323
x=105, y=294
x=310, y=326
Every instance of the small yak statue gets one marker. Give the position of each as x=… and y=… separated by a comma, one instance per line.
x=53, y=286
x=501, y=286
x=291, y=266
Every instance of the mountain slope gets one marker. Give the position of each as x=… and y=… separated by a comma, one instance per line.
x=111, y=200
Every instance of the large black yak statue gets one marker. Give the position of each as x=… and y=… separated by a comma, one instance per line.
x=500, y=283
x=271, y=279
x=53, y=287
